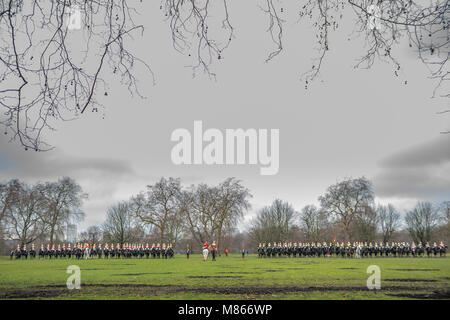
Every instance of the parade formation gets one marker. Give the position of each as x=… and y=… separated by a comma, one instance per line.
x=86, y=251
x=355, y=250
x=271, y=250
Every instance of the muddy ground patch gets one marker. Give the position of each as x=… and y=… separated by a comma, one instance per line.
x=416, y=269
x=45, y=292
x=410, y=280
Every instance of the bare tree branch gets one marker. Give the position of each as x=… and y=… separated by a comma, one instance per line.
x=194, y=31
x=46, y=75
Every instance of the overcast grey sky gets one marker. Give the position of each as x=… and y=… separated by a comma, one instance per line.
x=349, y=123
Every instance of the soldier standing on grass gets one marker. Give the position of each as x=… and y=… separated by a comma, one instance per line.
x=205, y=251
x=213, y=251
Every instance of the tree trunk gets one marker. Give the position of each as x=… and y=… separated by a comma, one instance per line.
x=346, y=232
x=161, y=236
x=52, y=232
x=219, y=236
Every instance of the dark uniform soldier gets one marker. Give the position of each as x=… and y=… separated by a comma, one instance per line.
x=442, y=249
x=18, y=252
x=343, y=249
x=93, y=251
x=435, y=249
x=279, y=249
x=213, y=251
x=99, y=251
x=268, y=250
x=428, y=249
x=24, y=252
x=69, y=251
x=63, y=251
x=79, y=252
x=32, y=252
x=58, y=251
x=106, y=250
x=41, y=252
x=413, y=249
x=170, y=252
x=158, y=250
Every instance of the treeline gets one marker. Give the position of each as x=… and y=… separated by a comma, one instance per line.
x=347, y=212
x=168, y=212
x=39, y=212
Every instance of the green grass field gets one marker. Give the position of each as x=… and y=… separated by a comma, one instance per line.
x=227, y=278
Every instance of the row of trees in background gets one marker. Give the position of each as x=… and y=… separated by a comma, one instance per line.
x=347, y=212
x=171, y=212
x=168, y=212
x=40, y=211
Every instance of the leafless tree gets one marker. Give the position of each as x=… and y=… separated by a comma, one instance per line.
x=160, y=207
x=8, y=192
x=344, y=200
x=61, y=201
x=389, y=221
x=23, y=219
x=273, y=9
x=314, y=222
x=212, y=211
x=273, y=223
x=232, y=202
x=445, y=214
x=120, y=224
x=422, y=221
x=46, y=76
x=200, y=205
x=201, y=29
x=445, y=208
x=49, y=72
x=384, y=24
x=366, y=224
